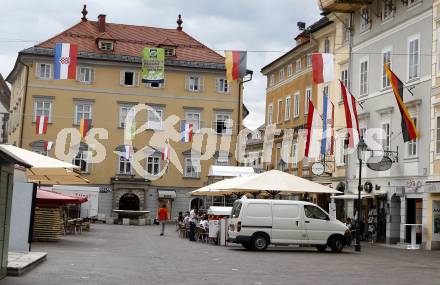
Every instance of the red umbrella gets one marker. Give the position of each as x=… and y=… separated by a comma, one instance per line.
x=53, y=198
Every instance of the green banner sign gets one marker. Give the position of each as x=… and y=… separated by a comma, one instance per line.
x=153, y=65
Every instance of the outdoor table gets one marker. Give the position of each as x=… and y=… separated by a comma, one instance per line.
x=413, y=235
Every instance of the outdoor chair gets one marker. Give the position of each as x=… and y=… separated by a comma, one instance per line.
x=202, y=234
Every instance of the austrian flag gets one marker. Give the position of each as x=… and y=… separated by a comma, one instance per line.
x=41, y=125
x=322, y=67
x=351, y=116
x=65, y=61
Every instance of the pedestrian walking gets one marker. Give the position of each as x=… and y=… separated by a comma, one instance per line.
x=163, y=216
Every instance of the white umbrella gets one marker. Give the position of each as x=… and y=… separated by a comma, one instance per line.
x=218, y=188
x=275, y=181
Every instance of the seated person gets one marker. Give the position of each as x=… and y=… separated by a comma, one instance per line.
x=204, y=223
x=180, y=217
x=186, y=219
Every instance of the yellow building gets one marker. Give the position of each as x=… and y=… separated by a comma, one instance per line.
x=107, y=85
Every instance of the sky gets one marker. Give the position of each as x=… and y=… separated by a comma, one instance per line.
x=265, y=28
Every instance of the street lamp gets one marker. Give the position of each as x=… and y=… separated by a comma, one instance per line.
x=362, y=146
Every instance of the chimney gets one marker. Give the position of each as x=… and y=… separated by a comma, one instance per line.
x=101, y=23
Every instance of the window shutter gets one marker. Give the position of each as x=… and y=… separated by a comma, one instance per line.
x=92, y=75
x=202, y=79
x=136, y=79
x=122, y=75
x=217, y=84
x=187, y=82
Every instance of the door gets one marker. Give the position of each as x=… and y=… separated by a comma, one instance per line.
x=316, y=223
x=287, y=226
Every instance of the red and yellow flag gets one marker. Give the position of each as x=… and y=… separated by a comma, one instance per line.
x=84, y=126
x=235, y=62
x=409, y=131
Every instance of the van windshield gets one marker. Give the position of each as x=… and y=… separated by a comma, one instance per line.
x=235, y=212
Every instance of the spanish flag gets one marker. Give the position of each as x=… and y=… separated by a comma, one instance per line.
x=409, y=130
x=235, y=64
x=84, y=126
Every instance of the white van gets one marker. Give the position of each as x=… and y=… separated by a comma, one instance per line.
x=256, y=223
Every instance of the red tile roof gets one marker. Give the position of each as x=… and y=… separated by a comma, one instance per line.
x=130, y=40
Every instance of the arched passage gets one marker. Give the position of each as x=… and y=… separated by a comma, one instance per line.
x=129, y=201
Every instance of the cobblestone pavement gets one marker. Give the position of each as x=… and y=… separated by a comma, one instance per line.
x=138, y=255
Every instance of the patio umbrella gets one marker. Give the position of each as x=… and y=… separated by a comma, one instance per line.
x=275, y=182
x=56, y=199
x=218, y=188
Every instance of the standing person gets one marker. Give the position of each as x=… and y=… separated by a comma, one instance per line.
x=192, y=225
x=163, y=216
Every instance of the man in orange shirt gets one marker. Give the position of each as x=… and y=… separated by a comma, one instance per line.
x=163, y=216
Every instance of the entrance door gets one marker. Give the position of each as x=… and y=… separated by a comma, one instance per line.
x=395, y=220
x=413, y=216
x=287, y=224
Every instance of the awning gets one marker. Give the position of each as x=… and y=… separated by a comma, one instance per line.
x=219, y=211
x=51, y=176
x=229, y=171
x=167, y=194
x=46, y=198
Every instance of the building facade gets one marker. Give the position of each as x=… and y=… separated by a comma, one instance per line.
x=107, y=86
x=5, y=96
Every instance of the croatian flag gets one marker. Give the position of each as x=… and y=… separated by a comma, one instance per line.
x=166, y=152
x=186, y=132
x=41, y=125
x=312, y=142
x=48, y=145
x=327, y=126
x=351, y=116
x=322, y=67
x=65, y=61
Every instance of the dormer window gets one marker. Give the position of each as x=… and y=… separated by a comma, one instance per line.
x=105, y=45
x=170, y=51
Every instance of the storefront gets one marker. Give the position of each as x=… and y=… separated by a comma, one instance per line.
x=431, y=216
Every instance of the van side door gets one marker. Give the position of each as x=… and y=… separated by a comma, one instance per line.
x=288, y=227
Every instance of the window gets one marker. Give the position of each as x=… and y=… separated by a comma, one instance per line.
x=365, y=19
x=124, y=166
x=298, y=65
x=437, y=135
x=272, y=80
x=82, y=111
x=222, y=85
x=153, y=165
x=387, y=10
x=287, y=110
x=192, y=167
x=43, y=107
x=281, y=74
x=411, y=146
x=307, y=100
x=413, y=58
x=309, y=60
x=124, y=110
x=279, y=111
x=326, y=45
x=44, y=71
x=129, y=78
x=314, y=212
x=156, y=85
x=339, y=151
x=344, y=77
x=363, y=88
x=155, y=118
x=222, y=160
x=386, y=140
x=81, y=160
x=105, y=45
x=289, y=70
x=386, y=59
x=270, y=114
x=169, y=51
x=296, y=105
x=192, y=117
x=223, y=124
x=194, y=83
x=85, y=75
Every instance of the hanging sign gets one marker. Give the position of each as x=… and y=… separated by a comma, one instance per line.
x=379, y=163
x=153, y=65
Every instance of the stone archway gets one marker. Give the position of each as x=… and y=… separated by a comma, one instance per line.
x=129, y=201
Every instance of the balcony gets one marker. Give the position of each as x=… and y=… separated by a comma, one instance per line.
x=342, y=6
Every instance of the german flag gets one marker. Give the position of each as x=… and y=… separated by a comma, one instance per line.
x=235, y=62
x=84, y=126
x=409, y=130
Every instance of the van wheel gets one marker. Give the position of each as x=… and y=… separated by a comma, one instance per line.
x=321, y=248
x=259, y=242
x=247, y=245
x=337, y=244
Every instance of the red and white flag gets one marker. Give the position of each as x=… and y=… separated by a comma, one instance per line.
x=41, y=125
x=313, y=133
x=322, y=67
x=166, y=152
x=48, y=145
x=351, y=116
